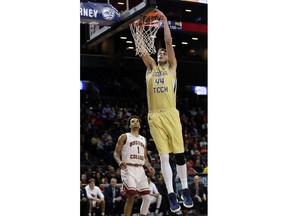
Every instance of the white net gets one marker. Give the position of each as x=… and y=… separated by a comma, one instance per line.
x=144, y=32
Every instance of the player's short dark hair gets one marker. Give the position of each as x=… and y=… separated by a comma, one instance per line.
x=133, y=116
x=161, y=49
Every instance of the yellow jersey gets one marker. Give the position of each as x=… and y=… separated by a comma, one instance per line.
x=161, y=88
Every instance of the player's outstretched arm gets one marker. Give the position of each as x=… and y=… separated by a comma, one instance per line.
x=147, y=59
x=168, y=42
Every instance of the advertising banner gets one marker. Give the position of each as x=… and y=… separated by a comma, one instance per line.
x=103, y=14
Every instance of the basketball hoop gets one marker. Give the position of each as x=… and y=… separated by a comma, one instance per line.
x=144, y=32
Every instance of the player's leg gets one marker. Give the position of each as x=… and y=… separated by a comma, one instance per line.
x=152, y=201
x=91, y=205
x=175, y=132
x=101, y=204
x=181, y=169
x=129, y=186
x=159, y=134
x=167, y=172
x=129, y=205
x=143, y=190
x=158, y=204
x=168, y=178
x=145, y=204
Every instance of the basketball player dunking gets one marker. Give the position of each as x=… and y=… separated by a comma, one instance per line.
x=163, y=117
x=132, y=148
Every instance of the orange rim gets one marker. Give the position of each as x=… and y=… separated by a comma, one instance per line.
x=140, y=21
x=153, y=14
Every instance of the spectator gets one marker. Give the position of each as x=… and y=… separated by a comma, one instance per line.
x=113, y=199
x=198, y=167
x=118, y=175
x=193, y=111
x=203, y=142
x=197, y=191
x=100, y=178
x=84, y=180
x=196, y=156
x=190, y=170
x=96, y=197
x=105, y=111
x=84, y=201
x=111, y=173
x=155, y=196
x=89, y=173
x=163, y=191
x=203, y=151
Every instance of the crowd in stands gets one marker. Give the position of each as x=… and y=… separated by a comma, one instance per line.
x=104, y=119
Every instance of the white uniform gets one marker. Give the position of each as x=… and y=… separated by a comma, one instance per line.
x=153, y=190
x=133, y=154
x=96, y=193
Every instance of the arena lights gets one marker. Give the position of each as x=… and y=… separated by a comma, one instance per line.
x=200, y=90
x=82, y=85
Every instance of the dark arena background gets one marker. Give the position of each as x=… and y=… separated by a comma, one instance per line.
x=113, y=88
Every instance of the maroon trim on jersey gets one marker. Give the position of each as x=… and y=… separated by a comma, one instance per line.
x=129, y=190
x=133, y=191
x=144, y=192
x=135, y=165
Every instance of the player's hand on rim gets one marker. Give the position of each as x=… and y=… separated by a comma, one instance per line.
x=160, y=12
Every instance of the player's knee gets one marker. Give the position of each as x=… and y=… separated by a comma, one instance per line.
x=180, y=159
x=146, y=198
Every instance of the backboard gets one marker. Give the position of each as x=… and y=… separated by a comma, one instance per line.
x=101, y=29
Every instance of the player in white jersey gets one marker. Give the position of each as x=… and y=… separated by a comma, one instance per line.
x=155, y=196
x=133, y=150
x=95, y=196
